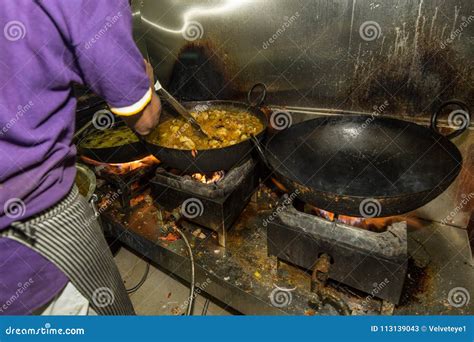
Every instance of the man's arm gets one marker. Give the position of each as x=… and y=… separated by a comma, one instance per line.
x=144, y=121
x=107, y=58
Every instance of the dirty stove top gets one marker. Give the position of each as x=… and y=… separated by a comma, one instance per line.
x=243, y=277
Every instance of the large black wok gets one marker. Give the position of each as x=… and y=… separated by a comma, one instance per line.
x=364, y=165
x=219, y=158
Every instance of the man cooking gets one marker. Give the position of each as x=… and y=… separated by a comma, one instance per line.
x=53, y=256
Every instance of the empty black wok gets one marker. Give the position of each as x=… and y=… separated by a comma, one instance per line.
x=364, y=166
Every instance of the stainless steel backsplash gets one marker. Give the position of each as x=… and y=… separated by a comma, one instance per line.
x=344, y=54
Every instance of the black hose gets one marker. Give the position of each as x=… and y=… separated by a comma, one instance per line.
x=205, y=308
x=141, y=282
x=193, y=285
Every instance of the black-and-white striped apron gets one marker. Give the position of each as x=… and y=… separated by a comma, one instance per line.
x=69, y=235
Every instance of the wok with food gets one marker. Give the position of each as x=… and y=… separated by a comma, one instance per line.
x=224, y=128
x=110, y=138
x=229, y=125
x=118, y=144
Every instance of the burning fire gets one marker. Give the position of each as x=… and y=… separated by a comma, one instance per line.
x=210, y=178
x=123, y=168
x=366, y=223
x=279, y=185
x=376, y=223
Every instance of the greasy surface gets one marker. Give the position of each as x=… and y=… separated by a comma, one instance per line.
x=224, y=127
x=244, y=277
x=344, y=54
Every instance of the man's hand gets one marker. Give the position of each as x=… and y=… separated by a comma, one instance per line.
x=145, y=121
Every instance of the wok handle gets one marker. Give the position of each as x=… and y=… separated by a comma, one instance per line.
x=261, y=98
x=260, y=151
x=461, y=115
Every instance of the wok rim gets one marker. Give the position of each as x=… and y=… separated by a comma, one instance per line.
x=139, y=152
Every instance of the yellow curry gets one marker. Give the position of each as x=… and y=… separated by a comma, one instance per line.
x=226, y=129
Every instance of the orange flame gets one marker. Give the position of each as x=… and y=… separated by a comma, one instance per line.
x=208, y=179
x=279, y=185
x=123, y=168
x=376, y=223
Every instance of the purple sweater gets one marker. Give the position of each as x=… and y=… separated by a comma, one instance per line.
x=45, y=46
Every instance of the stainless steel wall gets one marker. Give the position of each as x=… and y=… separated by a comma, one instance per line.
x=323, y=56
x=346, y=54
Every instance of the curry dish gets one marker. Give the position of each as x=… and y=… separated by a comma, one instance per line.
x=226, y=129
x=110, y=138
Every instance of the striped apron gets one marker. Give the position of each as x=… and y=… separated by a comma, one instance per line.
x=69, y=235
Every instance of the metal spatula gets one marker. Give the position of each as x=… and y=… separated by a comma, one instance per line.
x=180, y=109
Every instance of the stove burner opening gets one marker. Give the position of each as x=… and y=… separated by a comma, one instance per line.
x=375, y=224
x=122, y=168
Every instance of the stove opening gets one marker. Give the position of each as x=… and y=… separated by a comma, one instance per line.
x=208, y=178
x=377, y=224
x=123, y=168
x=202, y=178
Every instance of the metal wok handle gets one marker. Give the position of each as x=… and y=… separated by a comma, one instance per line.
x=261, y=98
x=260, y=151
x=461, y=115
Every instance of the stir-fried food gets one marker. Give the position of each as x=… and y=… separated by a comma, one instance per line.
x=224, y=127
x=110, y=138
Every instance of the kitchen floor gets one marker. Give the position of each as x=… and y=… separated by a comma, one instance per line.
x=160, y=294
